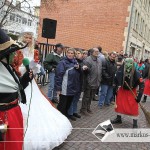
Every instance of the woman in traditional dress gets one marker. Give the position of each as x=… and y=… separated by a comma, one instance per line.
x=45, y=126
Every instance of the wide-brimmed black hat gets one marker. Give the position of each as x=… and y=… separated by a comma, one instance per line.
x=7, y=45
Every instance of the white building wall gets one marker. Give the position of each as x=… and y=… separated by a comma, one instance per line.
x=139, y=38
x=21, y=22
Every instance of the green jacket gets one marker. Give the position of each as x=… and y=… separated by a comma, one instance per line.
x=51, y=61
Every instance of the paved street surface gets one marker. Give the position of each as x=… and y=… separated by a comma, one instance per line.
x=82, y=138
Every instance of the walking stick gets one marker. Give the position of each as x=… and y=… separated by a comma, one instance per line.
x=146, y=113
x=115, y=103
x=115, y=106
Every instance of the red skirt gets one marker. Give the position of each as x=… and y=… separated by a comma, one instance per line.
x=147, y=87
x=14, y=135
x=126, y=103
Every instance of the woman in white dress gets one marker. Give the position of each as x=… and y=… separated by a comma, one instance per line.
x=45, y=127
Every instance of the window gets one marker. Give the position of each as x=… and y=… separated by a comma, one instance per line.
x=145, y=32
x=140, y=1
x=137, y=22
x=10, y=31
x=5, y=30
x=3, y=12
x=148, y=6
x=18, y=18
x=12, y=17
x=144, y=2
x=135, y=19
x=17, y=33
x=148, y=38
x=29, y=22
x=141, y=26
x=24, y=21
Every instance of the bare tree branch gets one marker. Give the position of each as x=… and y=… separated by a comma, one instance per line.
x=6, y=14
x=3, y=4
x=10, y=8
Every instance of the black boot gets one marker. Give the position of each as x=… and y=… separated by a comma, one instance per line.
x=1, y=136
x=144, y=99
x=76, y=115
x=117, y=120
x=135, y=123
x=71, y=117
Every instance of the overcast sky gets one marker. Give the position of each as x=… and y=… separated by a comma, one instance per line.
x=35, y=2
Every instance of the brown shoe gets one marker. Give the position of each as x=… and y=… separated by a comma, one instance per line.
x=112, y=103
x=85, y=113
x=90, y=111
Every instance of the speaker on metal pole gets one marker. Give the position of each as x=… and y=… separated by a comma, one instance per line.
x=49, y=28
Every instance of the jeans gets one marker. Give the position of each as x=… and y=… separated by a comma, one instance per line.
x=42, y=71
x=106, y=93
x=87, y=98
x=73, y=107
x=51, y=91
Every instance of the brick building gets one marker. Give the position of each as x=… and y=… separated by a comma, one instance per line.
x=88, y=23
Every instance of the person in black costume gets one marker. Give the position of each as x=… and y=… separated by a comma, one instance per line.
x=126, y=81
x=11, y=92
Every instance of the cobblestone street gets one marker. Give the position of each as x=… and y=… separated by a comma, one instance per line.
x=82, y=138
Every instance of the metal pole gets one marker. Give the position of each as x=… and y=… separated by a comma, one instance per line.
x=129, y=27
x=46, y=48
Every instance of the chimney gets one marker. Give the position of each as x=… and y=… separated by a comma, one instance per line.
x=18, y=5
x=37, y=11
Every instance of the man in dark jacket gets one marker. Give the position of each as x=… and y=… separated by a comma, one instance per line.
x=50, y=64
x=92, y=79
x=109, y=69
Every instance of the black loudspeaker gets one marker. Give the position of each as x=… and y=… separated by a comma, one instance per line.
x=49, y=28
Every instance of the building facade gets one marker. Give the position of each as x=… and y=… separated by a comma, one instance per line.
x=111, y=24
x=18, y=21
x=139, y=35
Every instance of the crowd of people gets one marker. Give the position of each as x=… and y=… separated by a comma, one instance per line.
x=117, y=79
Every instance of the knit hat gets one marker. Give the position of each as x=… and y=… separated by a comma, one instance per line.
x=59, y=45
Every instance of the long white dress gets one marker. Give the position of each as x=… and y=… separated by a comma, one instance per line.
x=46, y=127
